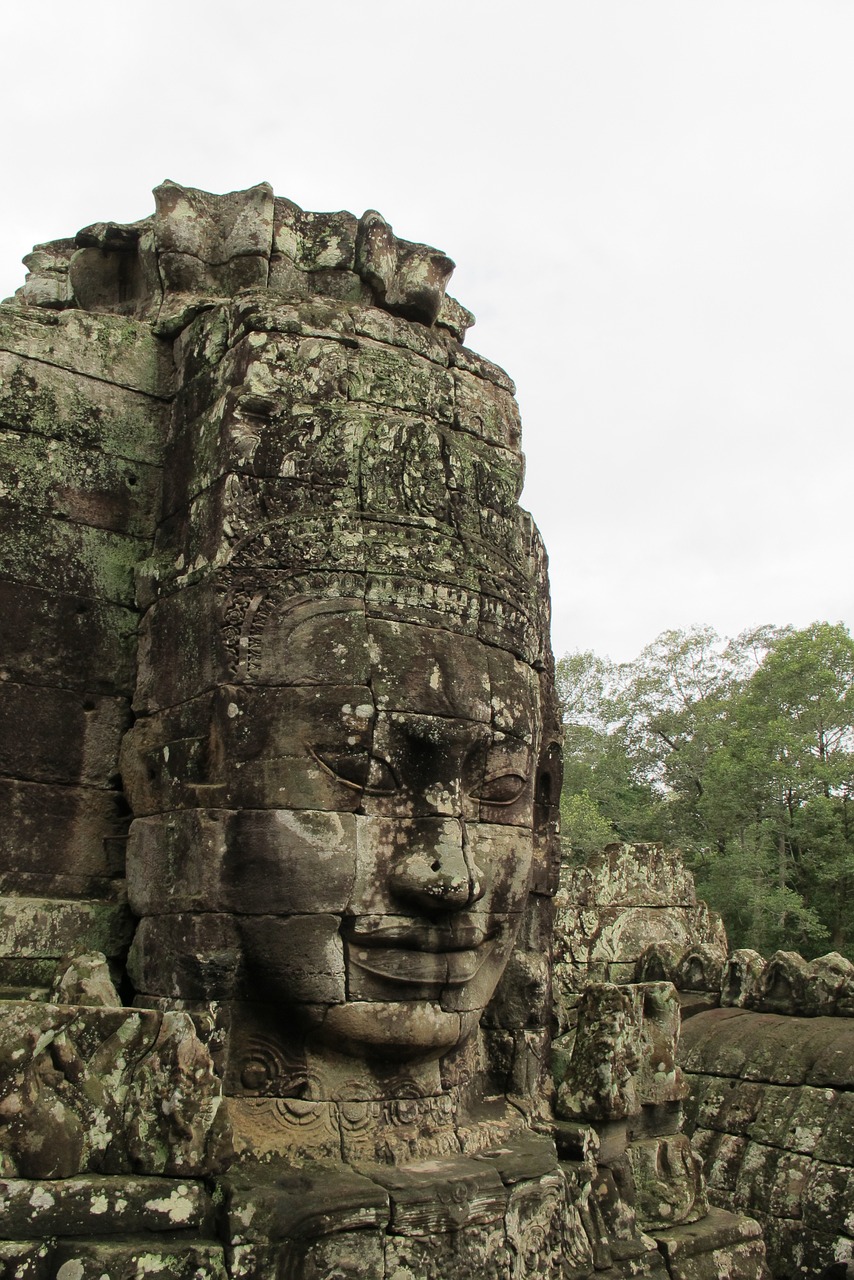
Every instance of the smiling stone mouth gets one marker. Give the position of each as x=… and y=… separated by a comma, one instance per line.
x=419, y=968
x=405, y=934
x=417, y=953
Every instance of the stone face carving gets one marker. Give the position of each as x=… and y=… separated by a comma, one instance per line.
x=309, y=661
x=343, y=705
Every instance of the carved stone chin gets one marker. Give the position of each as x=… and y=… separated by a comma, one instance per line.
x=403, y=1030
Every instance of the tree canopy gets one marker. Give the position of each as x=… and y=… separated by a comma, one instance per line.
x=741, y=752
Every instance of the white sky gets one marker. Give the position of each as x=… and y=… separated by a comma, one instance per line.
x=651, y=205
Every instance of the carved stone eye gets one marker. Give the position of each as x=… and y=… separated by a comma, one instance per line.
x=504, y=788
x=357, y=769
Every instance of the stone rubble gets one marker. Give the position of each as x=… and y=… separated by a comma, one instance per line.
x=764, y=1057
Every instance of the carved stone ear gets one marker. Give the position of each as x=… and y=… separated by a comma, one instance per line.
x=408, y=279
x=47, y=283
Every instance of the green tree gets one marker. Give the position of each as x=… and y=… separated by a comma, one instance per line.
x=604, y=797
x=781, y=781
x=584, y=828
x=741, y=752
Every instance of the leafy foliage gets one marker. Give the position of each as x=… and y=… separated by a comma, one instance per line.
x=742, y=753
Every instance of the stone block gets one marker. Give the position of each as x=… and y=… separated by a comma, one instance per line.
x=316, y=240
x=70, y=642
x=418, y=1130
x=85, y=979
x=251, y=748
x=266, y=435
x=718, y=1042
x=26, y=977
x=251, y=862
x=231, y=627
x=344, y=1253
x=58, y=404
x=300, y=955
x=659, y=962
x=196, y=957
x=633, y=875
x=396, y=331
x=398, y=379
x=460, y=357
x=60, y=736
x=266, y=1203
x=457, y=320
x=420, y=669
x=289, y=370
x=319, y=318
x=85, y=486
x=700, y=967
x=181, y=653
x=113, y=349
x=106, y=1090
x=214, y=228
x=795, y=1249
x=522, y=995
x=722, y=1155
x=659, y=1080
x=221, y=957
x=784, y=984
x=831, y=983
x=486, y=410
x=772, y=1179
x=60, y=841
x=828, y=1198
x=544, y=1229
x=222, y=523
x=130, y=1259
x=97, y=1205
x=47, y=283
x=50, y=927
x=74, y=559
x=405, y=277
x=465, y=1193
x=174, y=1121
x=600, y=1079
x=835, y=1145
x=728, y=1105
x=26, y=1259
x=722, y=1244
x=793, y=1119
x=272, y=1130
x=623, y=933
x=829, y=1052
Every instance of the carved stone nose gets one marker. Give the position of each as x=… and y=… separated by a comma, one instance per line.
x=440, y=875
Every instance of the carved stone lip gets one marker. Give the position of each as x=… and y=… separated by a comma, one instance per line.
x=403, y=934
x=419, y=968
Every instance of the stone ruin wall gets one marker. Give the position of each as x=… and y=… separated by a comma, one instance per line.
x=121, y=1154
x=766, y=1047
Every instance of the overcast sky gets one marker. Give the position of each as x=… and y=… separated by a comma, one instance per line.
x=651, y=207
